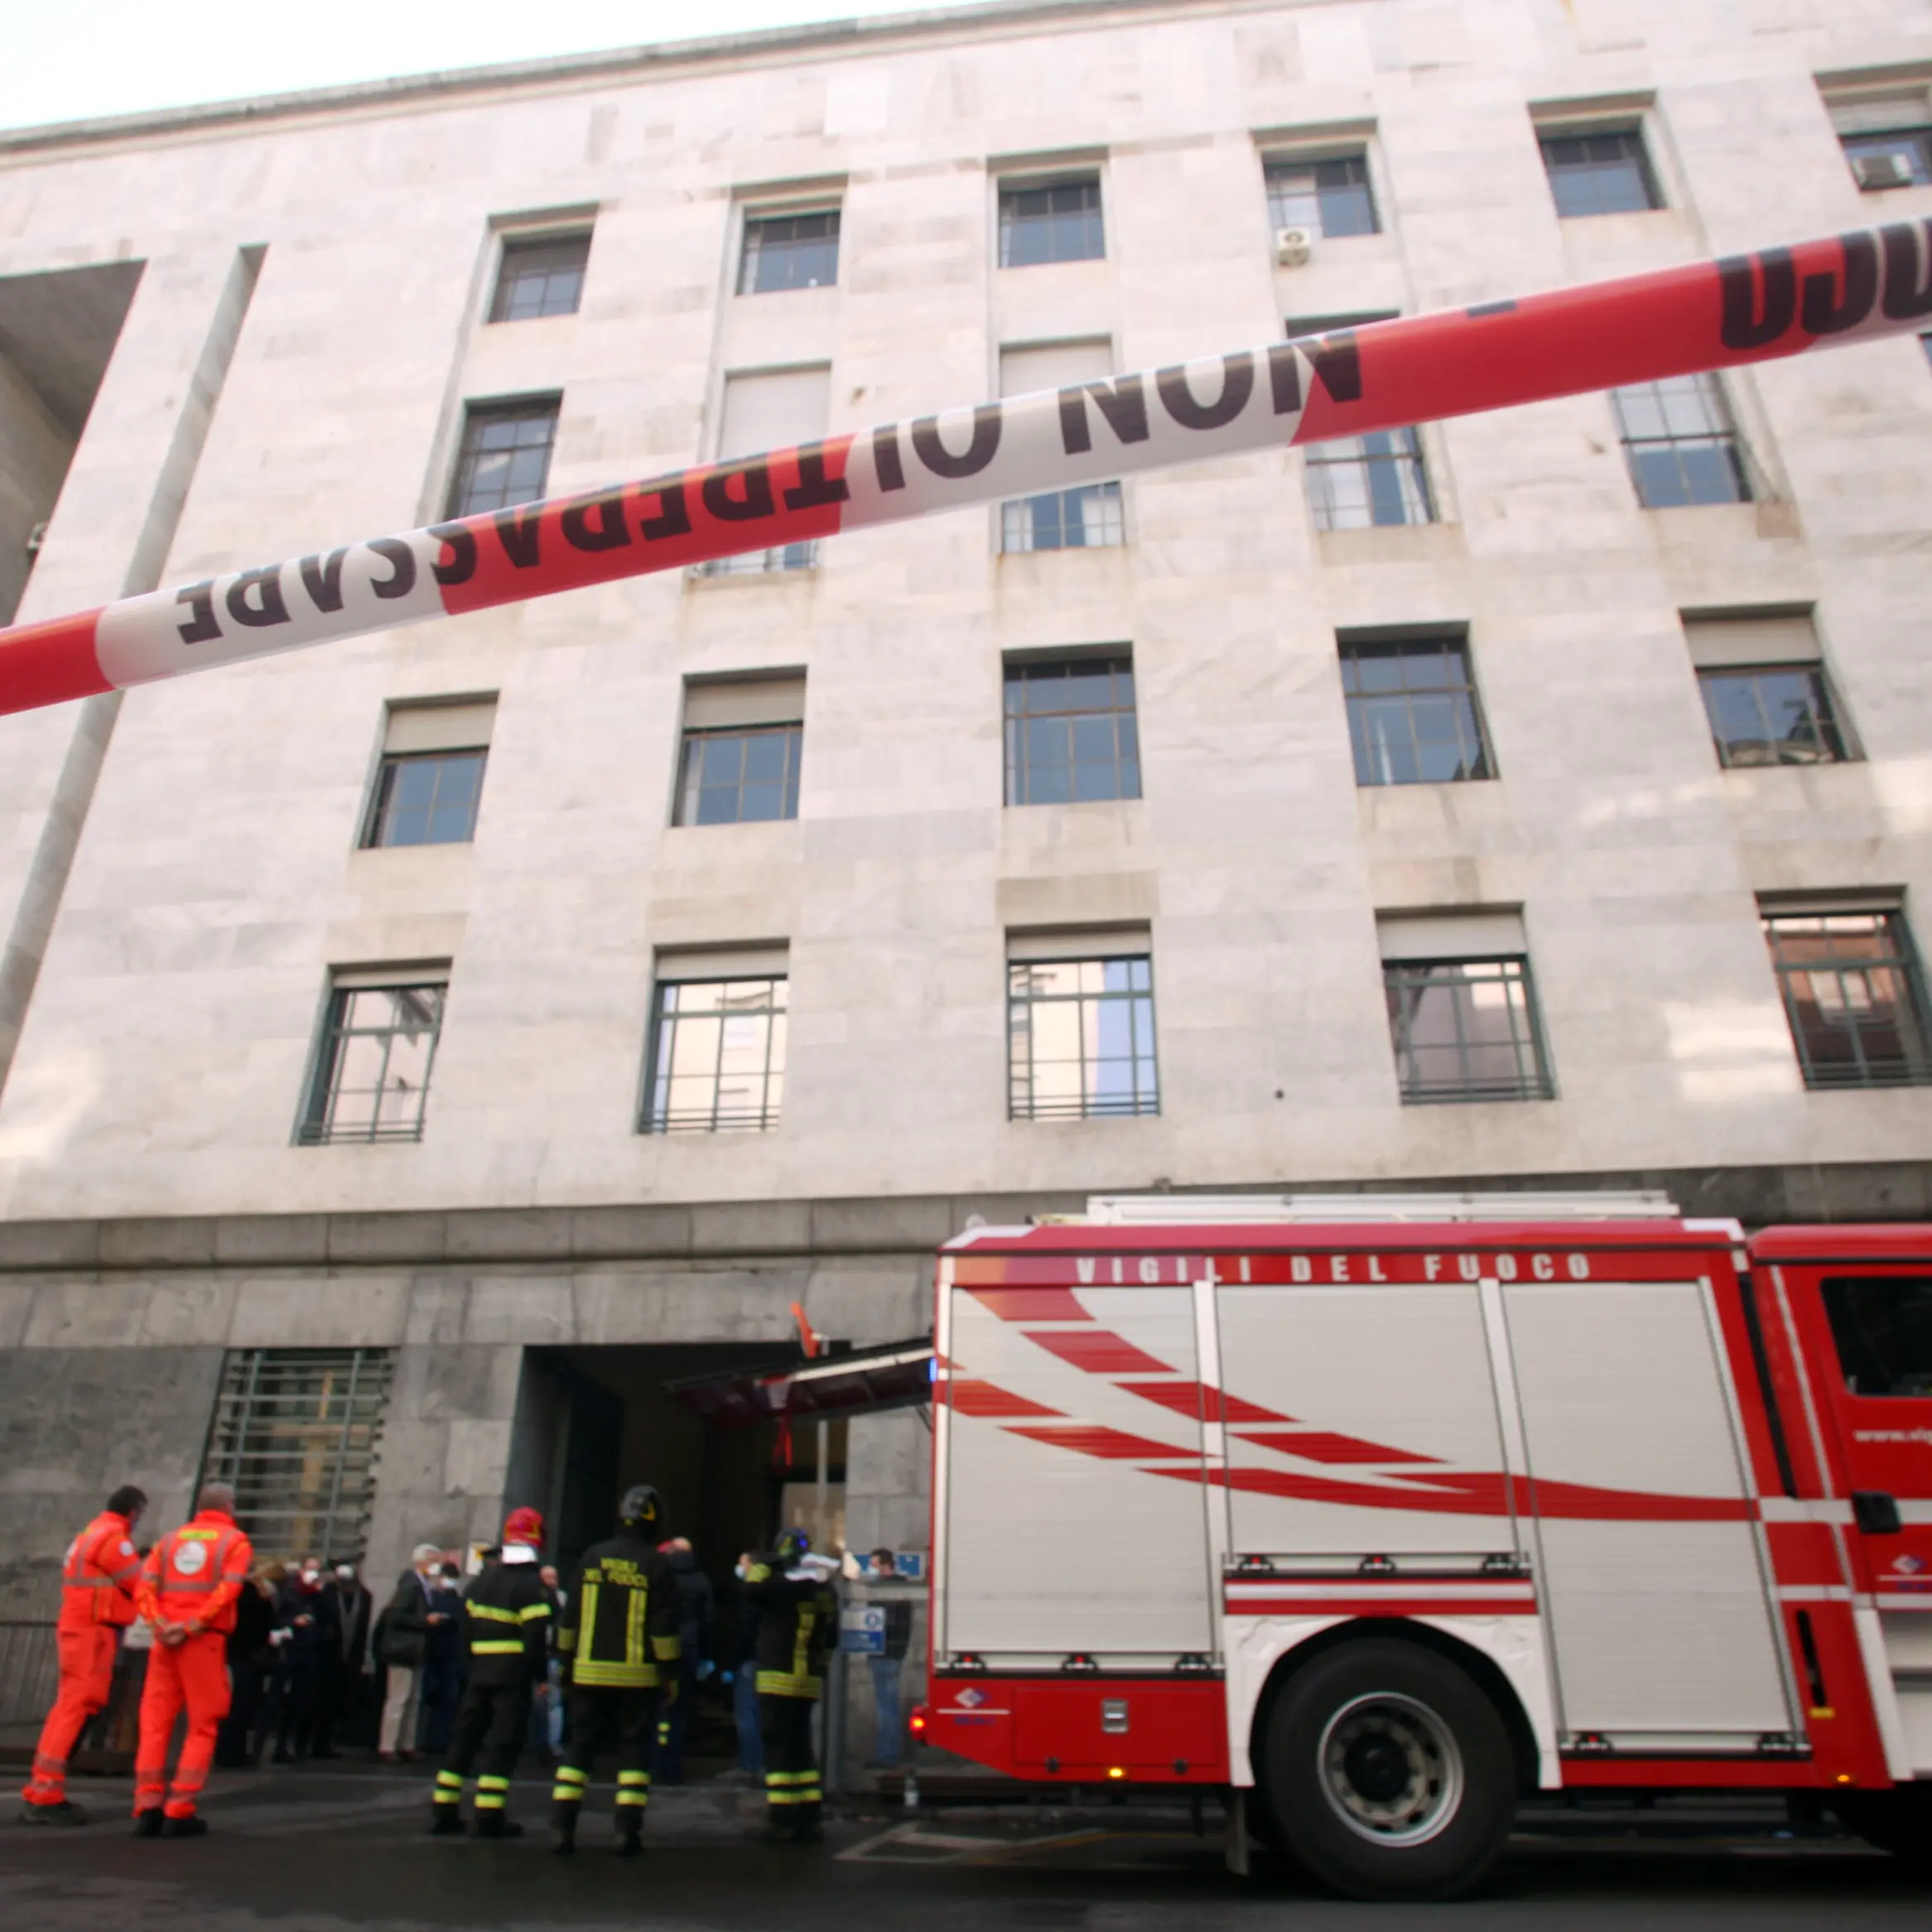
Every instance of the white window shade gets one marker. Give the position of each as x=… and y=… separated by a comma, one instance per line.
x=421, y=972
x=1718, y=641
x=1498, y=935
x=1055, y=365
x=743, y=702
x=432, y=727
x=1080, y=943
x=772, y=409
x=698, y=964
x=1881, y=113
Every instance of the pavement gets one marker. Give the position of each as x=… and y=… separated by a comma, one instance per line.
x=322, y=1849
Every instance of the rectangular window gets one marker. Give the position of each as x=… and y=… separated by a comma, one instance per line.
x=431, y=781
x=505, y=456
x=717, y=1043
x=1332, y=197
x=771, y=409
x=1412, y=716
x=743, y=741
x=1081, y=1026
x=378, y=1045
x=1679, y=442
x=789, y=251
x=1088, y=516
x=1852, y=993
x=1765, y=689
x=1887, y=138
x=541, y=277
x=1051, y=221
x=1463, y=1009
x=1070, y=731
x=1881, y=1325
x=1602, y=173
x=294, y=1432
x=1358, y=483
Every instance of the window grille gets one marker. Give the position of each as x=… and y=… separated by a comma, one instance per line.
x=372, y=1075
x=1853, y=996
x=1058, y=222
x=1355, y=483
x=1771, y=714
x=505, y=456
x=541, y=278
x=789, y=251
x=717, y=1055
x=1600, y=174
x=295, y=1431
x=730, y=777
x=1413, y=717
x=1087, y=517
x=1465, y=1029
x=1332, y=197
x=1680, y=444
x=1070, y=731
x=427, y=799
x=1081, y=1039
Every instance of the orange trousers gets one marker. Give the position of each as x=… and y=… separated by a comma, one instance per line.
x=87, y=1672
x=193, y=1674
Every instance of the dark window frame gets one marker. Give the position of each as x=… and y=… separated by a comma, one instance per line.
x=1143, y=1102
x=560, y=283
x=1829, y=732
x=1861, y=1340
x=1059, y=225
x=383, y=807
x=1576, y=176
x=480, y=419
x=318, y=1126
x=1345, y=198
x=1852, y=970
x=656, y=1114
x=1719, y=432
x=1019, y=675
x=1917, y=137
x=759, y=245
x=691, y=774
x=1394, y=472
x=1362, y=701
x=1028, y=516
x=1533, y=1082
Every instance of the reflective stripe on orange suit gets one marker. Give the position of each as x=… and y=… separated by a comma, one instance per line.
x=98, y=1577
x=193, y=1576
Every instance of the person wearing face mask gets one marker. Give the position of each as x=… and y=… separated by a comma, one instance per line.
x=342, y=1680
x=403, y=1640
x=97, y=1581
x=305, y=1610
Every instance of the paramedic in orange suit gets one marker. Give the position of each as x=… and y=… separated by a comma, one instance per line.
x=188, y=1588
x=97, y=1579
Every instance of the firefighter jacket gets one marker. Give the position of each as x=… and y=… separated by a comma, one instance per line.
x=99, y=1574
x=620, y=1621
x=797, y=1626
x=195, y=1574
x=506, y=1623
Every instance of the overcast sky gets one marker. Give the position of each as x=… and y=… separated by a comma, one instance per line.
x=66, y=62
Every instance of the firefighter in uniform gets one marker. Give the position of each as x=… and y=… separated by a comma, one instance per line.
x=797, y=1624
x=506, y=1630
x=619, y=1625
x=98, y=1579
x=188, y=1588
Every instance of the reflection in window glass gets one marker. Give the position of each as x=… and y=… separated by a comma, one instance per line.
x=730, y=778
x=1070, y=731
x=1465, y=1030
x=1412, y=713
x=1680, y=445
x=1357, y=483
x=505, y=457
x=1773, y=714
x=1086, y=518
x=763, y=563
x=717, y=1055
x=1058, y=223
x=427, y=799
x=1599, y=174
x=1081, y=1039
x=1853, y=997
x=540, y=278
x=372, y=1075
x=1910, y=149
x=789, y=251
x=1882, y=1326
x=1332, y=197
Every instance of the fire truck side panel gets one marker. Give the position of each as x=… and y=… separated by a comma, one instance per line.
x=1664, y=1629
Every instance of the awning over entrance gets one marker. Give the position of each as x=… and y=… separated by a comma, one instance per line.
x=859, y=1381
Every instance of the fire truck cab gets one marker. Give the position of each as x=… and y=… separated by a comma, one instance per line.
x=1378, y=1513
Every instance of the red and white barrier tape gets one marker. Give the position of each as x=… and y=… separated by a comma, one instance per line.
x=1385, y=375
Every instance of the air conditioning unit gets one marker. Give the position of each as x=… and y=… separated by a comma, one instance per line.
x=1883, y=170
x=1293, y=246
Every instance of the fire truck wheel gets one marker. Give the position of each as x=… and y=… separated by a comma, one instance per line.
x=1898, y=1821
x=1390, y=1772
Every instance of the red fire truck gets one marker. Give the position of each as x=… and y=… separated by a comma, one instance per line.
x=1379, y=1516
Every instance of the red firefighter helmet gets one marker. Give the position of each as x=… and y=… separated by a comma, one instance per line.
x=524, y=1526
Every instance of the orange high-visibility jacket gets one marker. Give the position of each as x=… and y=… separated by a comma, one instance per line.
x=195, y=1573
x=99, y=1575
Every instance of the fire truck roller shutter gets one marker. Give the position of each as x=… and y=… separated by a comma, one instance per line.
x=1074, y=1513
x=1662, y=1629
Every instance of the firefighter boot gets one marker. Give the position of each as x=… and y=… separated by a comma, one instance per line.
x=630, y=1833
x=809, y=1830
x=445, y=1822
x=493, y=1823
x=563, y=1828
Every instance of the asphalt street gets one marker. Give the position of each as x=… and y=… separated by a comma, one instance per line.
x=314, y=1850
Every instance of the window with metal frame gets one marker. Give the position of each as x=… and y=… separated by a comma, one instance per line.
x=1412, y=714
x=736, y=777
x=1853, y=994
x=1051, y=221
x=295, y=1430
x=373, y=1070
x=1908, y=151
x=717, y=1055
x=1361, y=483
x=427, y=799
x=1080, y=1034
x=543, y=276
x=1771, y=714
x=1881, y=1326
x=1087, y=517
x=1466, y=1030
x=1071, y=730
x=1606, y=173
x=1680, y=443
x=505, y=456
x=1331, y=196
x=789, y=251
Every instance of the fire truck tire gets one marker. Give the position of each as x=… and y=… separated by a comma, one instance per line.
x=1389, y=1773
x=1897, y=1821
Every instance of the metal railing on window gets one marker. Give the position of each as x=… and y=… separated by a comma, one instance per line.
x=1854, y=996
x=1466, y=1030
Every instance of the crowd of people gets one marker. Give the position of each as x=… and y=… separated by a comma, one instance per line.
x=464, y=1662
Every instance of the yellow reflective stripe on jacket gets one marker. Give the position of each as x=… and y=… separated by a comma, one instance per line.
x=596, y=1676
x=496, y=1647
x=491, y=1614
x=666, y=1650
x=785, y=1684
x=531, y=1611
x=633, y=1626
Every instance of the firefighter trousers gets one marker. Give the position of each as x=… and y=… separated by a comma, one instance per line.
x=791, y=1770
x=87, y=1675
x=487, y=1734
x=600, y=1720
x=192, y=1673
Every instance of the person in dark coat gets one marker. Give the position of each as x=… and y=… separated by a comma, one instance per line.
x=307, y=1613
x=442, y=1664
x=250, y=1667
x=402, y=1644
x=697, y=1618
x=341, y=1688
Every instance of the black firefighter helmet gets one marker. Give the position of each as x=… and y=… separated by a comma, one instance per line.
x=643, y=1510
